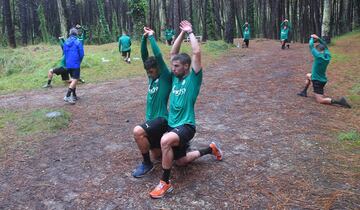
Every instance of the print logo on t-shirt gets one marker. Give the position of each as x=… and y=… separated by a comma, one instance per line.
x=153, y=90
x=178, y=92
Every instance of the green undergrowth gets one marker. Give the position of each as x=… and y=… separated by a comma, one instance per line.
x=18, y=127
x=351, y=139
x=346, y=58
x=25, y=68
x=33, y=122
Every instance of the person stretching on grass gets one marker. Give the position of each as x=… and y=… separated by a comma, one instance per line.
x=186, y=82
x=148, y=135
x=317, y=77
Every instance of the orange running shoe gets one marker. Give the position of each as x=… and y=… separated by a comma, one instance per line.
x=216, y=150
x=161, y=189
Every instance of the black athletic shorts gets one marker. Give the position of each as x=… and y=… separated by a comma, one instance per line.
x=169, y=41
x=124, y=53
x=155, y=129
x=63, y=72
x=246, y=42
x=186, y=133
x=74, y=73
x=318, y=86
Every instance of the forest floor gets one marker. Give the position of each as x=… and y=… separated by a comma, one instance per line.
x=280, y=150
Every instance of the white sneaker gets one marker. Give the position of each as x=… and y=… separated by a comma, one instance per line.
x=69, y=100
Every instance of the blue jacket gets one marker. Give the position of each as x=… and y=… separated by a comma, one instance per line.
x=74, y=52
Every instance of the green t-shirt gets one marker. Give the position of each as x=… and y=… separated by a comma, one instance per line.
x=182, y=99
x=321, y=61
x=246, y=33
x=284, y=33
x=124, y=43
x=169, y=33
x=159, y=88
x=82, y=37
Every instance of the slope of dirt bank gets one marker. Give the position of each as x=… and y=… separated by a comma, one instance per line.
x=276, y=145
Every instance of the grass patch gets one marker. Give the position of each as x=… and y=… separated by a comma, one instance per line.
x=25, y=68
x=345, y=64
x=33, y=122
x=351, y=138
x=16, y=127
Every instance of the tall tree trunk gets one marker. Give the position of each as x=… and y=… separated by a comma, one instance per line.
x=204, y=20
x=230, y=22
x=9, y=24
x=63, y=27
x=74, y=13
x=325, y=27
x=23, y=4
x=176, y=12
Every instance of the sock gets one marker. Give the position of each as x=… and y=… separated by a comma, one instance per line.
x=333, y=101
x=205, y=151
x=69, y=92
x=146, y=157
x=49, y=82
x=73, y=92
x=166, y=175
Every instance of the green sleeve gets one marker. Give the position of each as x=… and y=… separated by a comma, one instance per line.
x=313, y=51
x=282, y=24
x=61, y=42
x=323, y=43
x=144, y=50
x=157, y=53
x=119, y=44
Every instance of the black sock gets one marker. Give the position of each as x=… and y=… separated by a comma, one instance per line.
x=205, y=151
x=146, y=157
x=73, y=92
x=69, y=92
x=333, y=101
x=49, y=82
x=166, y=175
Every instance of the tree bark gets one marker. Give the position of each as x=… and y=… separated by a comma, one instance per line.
x=325, y=27
x=63, y=27
x=9, y=24
x=229, y=26
x=23, y=4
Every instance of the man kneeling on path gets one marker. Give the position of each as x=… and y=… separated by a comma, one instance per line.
x=148, y=135
x=318, y=78
x=186, y=82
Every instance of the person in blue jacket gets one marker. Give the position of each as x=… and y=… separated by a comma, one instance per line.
x=74, y=53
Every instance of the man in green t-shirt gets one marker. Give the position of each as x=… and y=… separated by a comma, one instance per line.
x=317, y=77
x=169, y=35
x=125, y=46
x=148, y=135
x=284, y=33
x=246, y=34
x=186, y=82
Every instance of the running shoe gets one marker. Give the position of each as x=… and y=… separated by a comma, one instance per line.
x=142, y=169
x=344, y=103
x=47, y=86
x=216, y=150
x=161, y=189
x=69, y=100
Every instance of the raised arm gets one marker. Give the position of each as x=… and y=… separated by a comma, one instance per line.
x=313, y=50
x=155, y=48
x=177, y=44
x=143, y=49
x=196, y=53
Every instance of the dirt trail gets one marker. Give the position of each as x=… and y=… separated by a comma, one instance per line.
x=276, y=145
